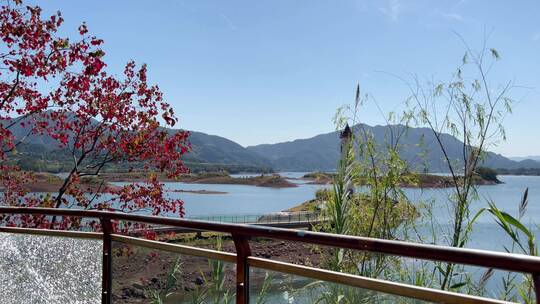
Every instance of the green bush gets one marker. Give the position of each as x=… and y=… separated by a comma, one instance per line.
x=487, y=174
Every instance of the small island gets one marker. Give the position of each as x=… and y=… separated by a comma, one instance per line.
x=47, y=182
x=263, y=180
x=483, y=176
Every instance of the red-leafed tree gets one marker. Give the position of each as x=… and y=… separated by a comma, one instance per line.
x=60, y=88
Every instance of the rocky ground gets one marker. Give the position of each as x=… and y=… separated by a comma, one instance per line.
x=139, y=272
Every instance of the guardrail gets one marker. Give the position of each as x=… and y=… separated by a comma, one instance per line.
x=268, y=218
x=244, y=259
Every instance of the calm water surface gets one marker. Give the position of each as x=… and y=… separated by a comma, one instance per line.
x=242, y=199
x=487, y=234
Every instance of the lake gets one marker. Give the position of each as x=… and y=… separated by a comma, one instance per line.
x=238, y=200
x=35, y=270
x=244, y=200
x=507, y=196
x=486, y=233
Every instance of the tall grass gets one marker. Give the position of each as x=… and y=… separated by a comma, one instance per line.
x=471, y=111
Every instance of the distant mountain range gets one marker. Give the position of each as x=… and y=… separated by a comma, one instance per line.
x=212, y=149
x=520, y=158
x=321, y=152
x=209, y=153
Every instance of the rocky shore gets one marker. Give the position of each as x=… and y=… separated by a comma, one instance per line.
x=418, y=180
x=47, y=182
x=272, y=180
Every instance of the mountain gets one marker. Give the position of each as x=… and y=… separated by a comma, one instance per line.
x=321, y=152
x=209, y=153
x=219, y=150
x=521, y=158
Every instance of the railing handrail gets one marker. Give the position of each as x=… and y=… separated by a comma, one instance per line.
x=465, y=256
x=374, y=284
x=195, y=216
x=252, y=218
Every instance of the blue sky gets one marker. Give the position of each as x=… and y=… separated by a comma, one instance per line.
x=271, y=71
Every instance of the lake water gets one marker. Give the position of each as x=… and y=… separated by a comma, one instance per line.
x=486, y=233
x=507, y=196
x=243, y=200
x=238, y=200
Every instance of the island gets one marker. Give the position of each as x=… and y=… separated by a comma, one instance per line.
x=263, y=180
x=482, y=176
x=48, y=182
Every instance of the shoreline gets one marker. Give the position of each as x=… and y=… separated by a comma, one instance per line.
x=424, y=180
x=270, y=181
x=48, y=182
x=52, y=187
x=202, y=191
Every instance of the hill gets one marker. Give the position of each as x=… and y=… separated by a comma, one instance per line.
x=209, y=153
x=530, y=157
x=219, y=150
x=321, y=152
x=318, y=153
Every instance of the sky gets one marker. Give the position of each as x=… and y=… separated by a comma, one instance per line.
x=271, y=71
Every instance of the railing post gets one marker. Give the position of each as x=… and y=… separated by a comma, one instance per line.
x=536, y=283
x=242, y=268
x=106, y=279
